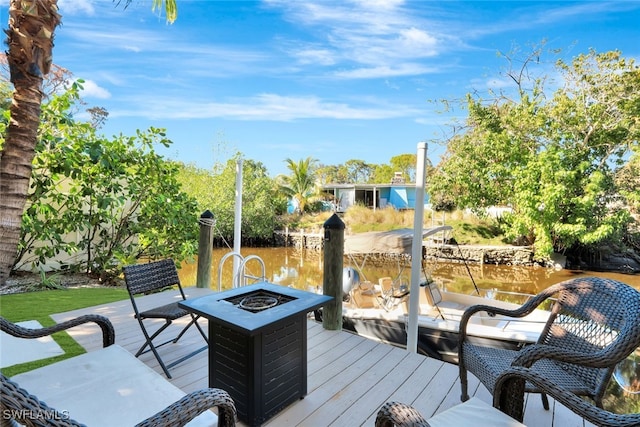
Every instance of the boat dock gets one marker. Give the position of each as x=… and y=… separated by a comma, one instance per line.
x=349, y=377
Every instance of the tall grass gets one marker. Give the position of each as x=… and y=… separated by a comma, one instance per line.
x=467, y=228
x=360, y=219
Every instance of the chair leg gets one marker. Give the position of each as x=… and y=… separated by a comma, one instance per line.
x=162, y=365
x=545, y=401
x=150, y=338
x=464, y=396
x=152, y=348
x=201, y=331
x=194, y=321
x=182, y=332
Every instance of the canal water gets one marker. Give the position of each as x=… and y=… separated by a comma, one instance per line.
x=303, y=269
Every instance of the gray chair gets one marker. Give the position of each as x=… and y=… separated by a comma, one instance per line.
x=593, y=325
x=142, y=279
x=509, y=397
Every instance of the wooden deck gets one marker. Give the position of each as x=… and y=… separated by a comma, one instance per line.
x=349, y=377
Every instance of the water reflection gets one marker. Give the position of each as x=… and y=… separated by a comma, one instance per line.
x=303, y=269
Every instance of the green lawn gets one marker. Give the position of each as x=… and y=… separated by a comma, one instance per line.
x=41, y=305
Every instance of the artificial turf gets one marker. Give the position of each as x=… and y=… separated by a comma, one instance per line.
x=42, y=304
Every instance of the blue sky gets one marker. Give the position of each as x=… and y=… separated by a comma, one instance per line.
x=333, y=80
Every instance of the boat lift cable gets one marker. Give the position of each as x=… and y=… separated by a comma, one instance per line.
x=464, y=260
x=222, y=236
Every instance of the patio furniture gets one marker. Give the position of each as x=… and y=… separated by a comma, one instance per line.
x=108, y=333
x=142, y=279
x=509, y=397
x=592, y=327
x=108, y=387
x=474, y=413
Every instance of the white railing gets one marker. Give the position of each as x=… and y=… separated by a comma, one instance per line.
x=241, y=277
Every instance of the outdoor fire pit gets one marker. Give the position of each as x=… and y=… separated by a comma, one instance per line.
x=258, y=345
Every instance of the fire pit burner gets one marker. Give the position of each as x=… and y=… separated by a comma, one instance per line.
x=260, y=300
x=258, y=303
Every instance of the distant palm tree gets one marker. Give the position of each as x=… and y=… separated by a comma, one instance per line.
x=301, y=184
x=32, y=25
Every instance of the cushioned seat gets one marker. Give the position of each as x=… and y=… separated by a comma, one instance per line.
x=109, y=387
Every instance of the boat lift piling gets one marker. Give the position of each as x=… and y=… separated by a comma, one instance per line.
x=205, y=249
x=332, y=277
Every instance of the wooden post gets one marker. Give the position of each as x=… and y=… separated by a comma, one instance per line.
x=205, y=250
x=332, y=278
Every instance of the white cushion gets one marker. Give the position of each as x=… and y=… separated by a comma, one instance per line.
x=108, y=387
x=473, y=413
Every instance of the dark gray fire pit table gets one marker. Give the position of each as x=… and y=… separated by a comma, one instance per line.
x=258, y=345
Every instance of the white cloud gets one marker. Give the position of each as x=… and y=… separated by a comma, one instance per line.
x=378, y=35
x=75, y=7
x=406, y=69
x=315, y=56
x=91, y=89
x=267, y=107
x=380, y=4
x=414, y=38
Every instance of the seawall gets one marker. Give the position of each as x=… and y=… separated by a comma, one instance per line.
x=498, y=255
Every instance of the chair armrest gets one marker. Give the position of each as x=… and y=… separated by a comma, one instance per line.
x=192, y=405
x=530, y=354
x=525, y=309
x=509, y=398
x=108, y=332
x=399, y=414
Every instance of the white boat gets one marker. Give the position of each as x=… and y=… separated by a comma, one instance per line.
x=380, y=310
x=381, y=313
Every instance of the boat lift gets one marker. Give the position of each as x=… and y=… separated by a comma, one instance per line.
x=241, y=277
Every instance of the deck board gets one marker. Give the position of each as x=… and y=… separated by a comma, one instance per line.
x=348, y=377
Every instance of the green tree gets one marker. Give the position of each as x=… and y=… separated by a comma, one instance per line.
x=382, y=174
x=102, y=201
x=332, y=174
x=5, y=98
x=300, y=185
x=550, y=156
x=359, y=172
x=628, y=182
x=405, y=163
x=215, y=191
x=30, y=34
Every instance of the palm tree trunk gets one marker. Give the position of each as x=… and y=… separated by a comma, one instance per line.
x=30, y=40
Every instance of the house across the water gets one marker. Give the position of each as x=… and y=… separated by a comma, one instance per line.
x=398, y=194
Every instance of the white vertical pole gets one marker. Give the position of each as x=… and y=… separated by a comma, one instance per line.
x=237, y=224
x=416, y=250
